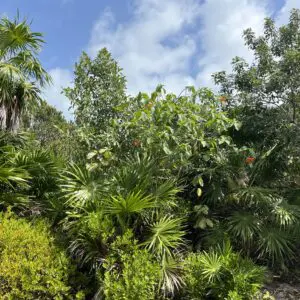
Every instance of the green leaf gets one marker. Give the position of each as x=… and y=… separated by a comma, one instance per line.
x=91, y=154
x=107, y=154
x=200, y=181
x=206, y=157
x=166, y=149
x=199, y=192
x=237, y=125
x=209, y=223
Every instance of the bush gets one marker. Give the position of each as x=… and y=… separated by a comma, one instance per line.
x=131, y=273
x=31, y=267
x=221, y=274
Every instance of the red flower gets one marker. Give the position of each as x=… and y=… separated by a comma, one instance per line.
x=250, y=160
x=136, y=143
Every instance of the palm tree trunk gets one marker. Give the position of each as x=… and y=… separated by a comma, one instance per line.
x=13, y=120
x=3, y=116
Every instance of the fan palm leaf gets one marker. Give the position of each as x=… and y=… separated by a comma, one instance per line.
x=79, y=187
x=244, y=226
x=125, y=207
x=286, y=214
x=165, y=235
x=276, y=245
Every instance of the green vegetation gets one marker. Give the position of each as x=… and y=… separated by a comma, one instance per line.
x=32, y=267
x=153, y=196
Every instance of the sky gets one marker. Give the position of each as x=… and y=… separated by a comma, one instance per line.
x=173, y=42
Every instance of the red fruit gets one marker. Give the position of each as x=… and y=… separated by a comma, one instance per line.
x=250, y=160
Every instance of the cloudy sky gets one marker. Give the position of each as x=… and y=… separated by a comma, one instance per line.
x=174, y=42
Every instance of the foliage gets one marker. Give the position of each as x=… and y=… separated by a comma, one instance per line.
x=165, y=235
x=99, y=88
x=262, y=192
x=32, y=267
x=221, y=274
x=158, y=195
x=19, y=67
x=130, y=273
x=53, y=132
x=178, y=130
x=274, y=78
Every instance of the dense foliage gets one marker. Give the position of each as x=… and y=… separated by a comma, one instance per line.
x=153, y=196
x=32, y=267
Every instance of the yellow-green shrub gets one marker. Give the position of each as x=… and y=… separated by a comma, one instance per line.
x=31, y=267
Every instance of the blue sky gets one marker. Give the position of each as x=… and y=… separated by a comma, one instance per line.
x=174, y=42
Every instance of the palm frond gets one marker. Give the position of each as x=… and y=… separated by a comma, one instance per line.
x=135, y=174
x=125, y=207
x=10, y=76
x=244, y=226
x=10, y=175
x=286, y=214
x=276, y=245
x=16, y=35
x=253, y=195
x=165, y=235
x=30, y=66
x=172, y=279
x=166, y=193
x=212, y=266
x=79, y=187
x=88, y=233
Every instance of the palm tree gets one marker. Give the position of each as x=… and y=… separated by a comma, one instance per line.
x=21, y=73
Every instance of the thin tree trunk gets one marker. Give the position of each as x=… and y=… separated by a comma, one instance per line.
x=3, y=116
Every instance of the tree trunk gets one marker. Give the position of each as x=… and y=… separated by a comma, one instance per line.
x=13, y=118
x=3, y=116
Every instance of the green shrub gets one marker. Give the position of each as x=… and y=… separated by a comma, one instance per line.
x=31, y=267
x=221, y=274
x=131, y=273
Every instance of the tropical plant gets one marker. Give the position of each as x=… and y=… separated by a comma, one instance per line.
x=165, y=235
x=219, y=274
x=20, y=70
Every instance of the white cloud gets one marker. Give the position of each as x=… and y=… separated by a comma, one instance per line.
x=61, y=78
x=221, y=34
x=140, y=45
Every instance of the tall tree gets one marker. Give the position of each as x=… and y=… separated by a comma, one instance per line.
x=98, y=90
x=21, y=73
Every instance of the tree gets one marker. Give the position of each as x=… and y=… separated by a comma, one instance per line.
x=98, y=91
x=21, y=72
x=274, y=77
x=52, y=131
x=264, y=96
